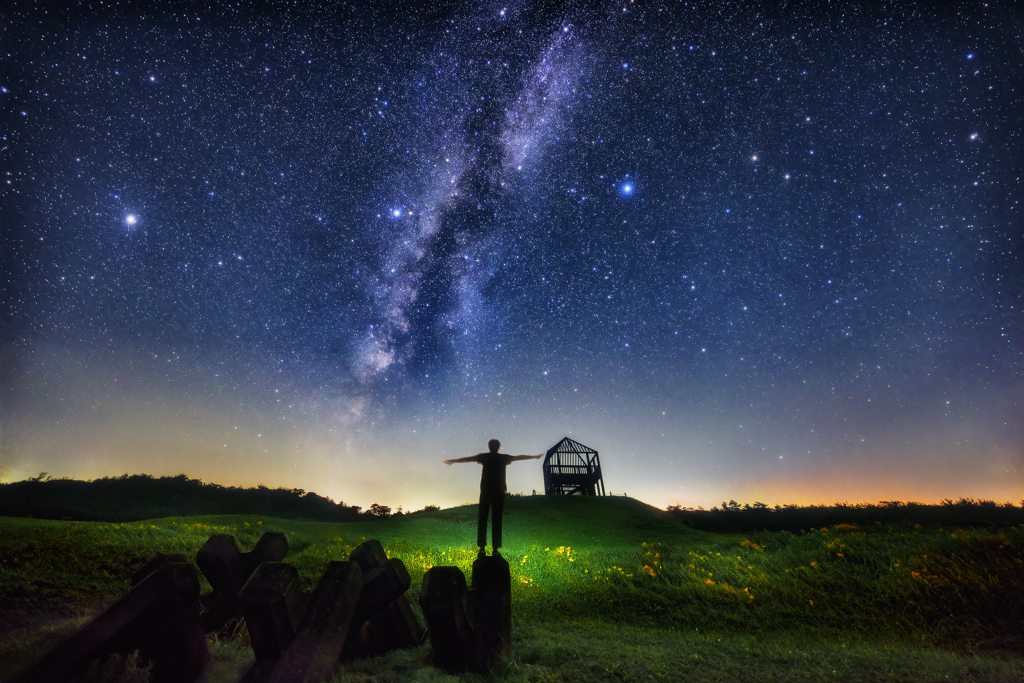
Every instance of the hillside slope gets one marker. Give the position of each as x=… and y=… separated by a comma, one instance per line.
x=546, y=521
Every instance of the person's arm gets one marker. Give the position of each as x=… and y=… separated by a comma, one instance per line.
x=513, y=458
x=468, y=458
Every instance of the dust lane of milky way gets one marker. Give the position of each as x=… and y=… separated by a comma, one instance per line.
x=744, y=252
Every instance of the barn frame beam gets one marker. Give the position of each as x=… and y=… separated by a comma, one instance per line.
x=570, y=468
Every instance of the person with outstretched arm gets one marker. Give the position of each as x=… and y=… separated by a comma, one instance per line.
x=492, y=489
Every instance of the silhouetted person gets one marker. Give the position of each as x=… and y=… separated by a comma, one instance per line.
x=492, y=489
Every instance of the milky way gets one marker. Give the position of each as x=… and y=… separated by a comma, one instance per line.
x=743, y=252
x=449, y=242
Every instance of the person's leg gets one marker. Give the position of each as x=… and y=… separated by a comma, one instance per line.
x=497, y=505
x=481, y=521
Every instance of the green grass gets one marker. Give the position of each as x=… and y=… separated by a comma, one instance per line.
x=610, y=589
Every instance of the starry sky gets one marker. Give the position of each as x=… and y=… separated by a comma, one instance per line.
x=744, y=251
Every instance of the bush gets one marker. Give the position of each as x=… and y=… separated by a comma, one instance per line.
x=732, y=517
x=130, y=498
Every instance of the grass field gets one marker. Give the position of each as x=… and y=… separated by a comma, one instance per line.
x=604, y=589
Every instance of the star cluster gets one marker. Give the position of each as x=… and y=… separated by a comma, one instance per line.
x=743, y=252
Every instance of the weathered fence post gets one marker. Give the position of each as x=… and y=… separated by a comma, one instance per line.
x=231, y=569
x=271, y=603
x=314, y=652
x=407, y=630
x=369, y=555
x=444, y=601
x=392, y=628
x=159, y=617
x=219, y=560
x=381, y=587
x=374, y=628
x=491, y=597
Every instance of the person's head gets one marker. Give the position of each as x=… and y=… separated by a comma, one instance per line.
x=494, y=445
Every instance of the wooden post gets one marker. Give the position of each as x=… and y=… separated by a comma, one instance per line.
x=381, y=587
x=158, y=616
x=369, y=556
x=444, y=599
x=491, y=596
x=271, y=603
x=314, y=652
x=392, y=628
x=155, y=562
x=220, y=560
x=219, y=557
x=407, y=631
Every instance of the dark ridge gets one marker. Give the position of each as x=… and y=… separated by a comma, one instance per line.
x=966, y=512
x=129, y=498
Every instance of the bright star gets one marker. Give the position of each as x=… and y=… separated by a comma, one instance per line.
x=130, y=219
x=397, y=213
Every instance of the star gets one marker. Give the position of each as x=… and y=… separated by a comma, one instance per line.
x=131, y=219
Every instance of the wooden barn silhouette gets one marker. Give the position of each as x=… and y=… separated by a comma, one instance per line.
x=572, y=468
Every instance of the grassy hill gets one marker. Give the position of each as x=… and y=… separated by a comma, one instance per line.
x=608, y=589
x=528, y=521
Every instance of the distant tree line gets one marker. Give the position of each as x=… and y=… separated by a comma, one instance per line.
x=129, y=498
x=733, y=517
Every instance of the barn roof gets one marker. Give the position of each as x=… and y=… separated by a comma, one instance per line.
x=567, y=445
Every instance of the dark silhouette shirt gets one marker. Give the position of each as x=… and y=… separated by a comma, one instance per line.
x=492, y=479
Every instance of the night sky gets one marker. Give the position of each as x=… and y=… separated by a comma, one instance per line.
x=744, y=252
